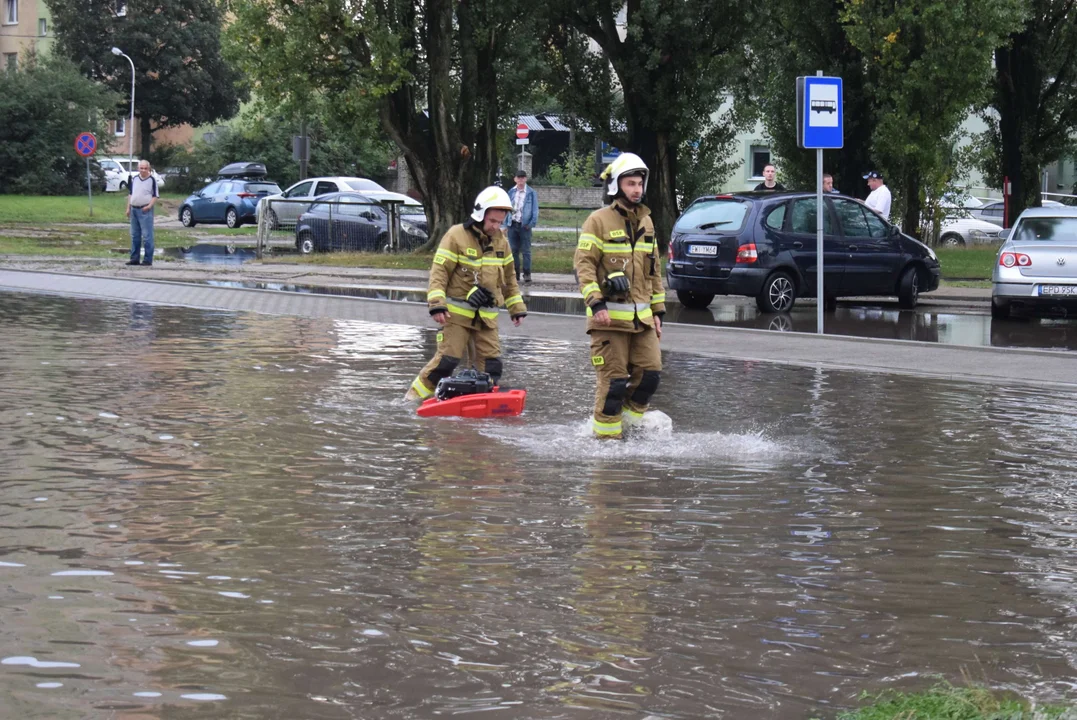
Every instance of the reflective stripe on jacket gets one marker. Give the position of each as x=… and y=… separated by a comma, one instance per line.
x=466, y=258
x=620, y=238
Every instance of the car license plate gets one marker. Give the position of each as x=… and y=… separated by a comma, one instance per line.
x=1058, y=290
x=702, y=249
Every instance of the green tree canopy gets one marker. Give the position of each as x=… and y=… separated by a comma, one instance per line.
x=930, y=61
x=441, y=75
x=180, y=76
x=43, y=107
x=1033, y=116
x=661, y=70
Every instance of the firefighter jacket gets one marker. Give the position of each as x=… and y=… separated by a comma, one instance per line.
x=466, y=258
x=620, y=238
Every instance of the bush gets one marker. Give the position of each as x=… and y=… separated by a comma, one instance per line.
x=43, y=107
x=573, y=171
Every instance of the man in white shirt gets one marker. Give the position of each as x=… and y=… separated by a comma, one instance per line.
x=879, y=199
x=141, y=197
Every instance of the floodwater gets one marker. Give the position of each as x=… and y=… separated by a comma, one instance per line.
x=211, y=514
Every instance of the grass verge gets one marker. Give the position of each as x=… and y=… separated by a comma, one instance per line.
x=107, y=207
x=81, y=242
x=967, y=263
x=544, y=260
x=945, y=702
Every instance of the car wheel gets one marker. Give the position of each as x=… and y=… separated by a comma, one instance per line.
x=305, y=244
x=778, y=294
x=382, y=243
x=909, y=289
x=187, y=217
x=231, y=218
x=1000, y=309
x=694, y=300
x=123, y=186
x=274, y=223
x=952, y=240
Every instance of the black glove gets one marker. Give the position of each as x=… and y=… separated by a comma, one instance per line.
x=617, y=283
x=478, y=297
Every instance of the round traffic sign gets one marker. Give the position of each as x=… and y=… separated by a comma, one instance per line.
x=85, y=144
x=521, y=131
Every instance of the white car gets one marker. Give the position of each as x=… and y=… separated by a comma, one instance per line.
x=285, y=208
x=959, y=232
x=119, y=169
x=1037, y=265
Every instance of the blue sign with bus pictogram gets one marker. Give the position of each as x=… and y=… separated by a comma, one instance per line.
x=86, y=144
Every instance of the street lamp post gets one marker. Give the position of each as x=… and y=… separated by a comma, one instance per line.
x=131, y=124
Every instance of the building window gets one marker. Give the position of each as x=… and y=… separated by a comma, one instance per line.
x=11, y=61
x=121, y=127
x=760, y=159
x=42, y=27
x=121, y=8
x=11, y=12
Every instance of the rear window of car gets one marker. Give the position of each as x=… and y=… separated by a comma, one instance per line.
x=362, y=185
x=1046, y=229
x=720, y=215
x=270, y=188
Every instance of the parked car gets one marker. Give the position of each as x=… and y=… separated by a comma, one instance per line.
x=991, y=211
x=1036, y=266
x=356, y=222
x=118, y=171
x=302, y=194
x=232, y=202
x=763, y=245
x=962, y=231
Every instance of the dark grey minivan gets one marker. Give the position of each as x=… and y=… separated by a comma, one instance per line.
x=763, y=245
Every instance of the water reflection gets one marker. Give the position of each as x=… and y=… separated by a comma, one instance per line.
x=233, y=515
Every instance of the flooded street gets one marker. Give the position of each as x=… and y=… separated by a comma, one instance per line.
x=217, y=514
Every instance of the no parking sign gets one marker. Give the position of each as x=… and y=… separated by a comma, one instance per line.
x=85, y=144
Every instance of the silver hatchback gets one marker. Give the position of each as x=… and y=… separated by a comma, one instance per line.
x=1036, y=267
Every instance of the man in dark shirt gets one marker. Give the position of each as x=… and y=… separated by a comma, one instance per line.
x=769, y=184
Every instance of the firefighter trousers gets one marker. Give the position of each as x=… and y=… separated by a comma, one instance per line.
x=628, y=366
x=453, y=345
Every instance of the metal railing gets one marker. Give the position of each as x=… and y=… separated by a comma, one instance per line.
x=340, y=224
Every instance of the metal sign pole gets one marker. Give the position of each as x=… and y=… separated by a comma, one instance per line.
x=820, y=300
x=89, y=192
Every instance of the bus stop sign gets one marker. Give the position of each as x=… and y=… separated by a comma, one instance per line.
x=819, y=113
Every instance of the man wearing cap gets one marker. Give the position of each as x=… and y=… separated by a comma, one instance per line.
x=520, y=222
x=879, y=199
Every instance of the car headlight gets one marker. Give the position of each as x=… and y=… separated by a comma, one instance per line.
x=412, y=229
x=981, y=234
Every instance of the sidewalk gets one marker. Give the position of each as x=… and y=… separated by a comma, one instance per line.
x=995, y=366
x=314, y=276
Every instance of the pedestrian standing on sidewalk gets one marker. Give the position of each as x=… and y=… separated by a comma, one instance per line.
x=879, y=198
x=520, y=222
x=141, y=197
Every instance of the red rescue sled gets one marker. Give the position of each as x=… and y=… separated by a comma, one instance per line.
x=499, y=403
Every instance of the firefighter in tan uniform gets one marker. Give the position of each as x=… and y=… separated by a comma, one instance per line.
x=617, y=266
x=472, y=275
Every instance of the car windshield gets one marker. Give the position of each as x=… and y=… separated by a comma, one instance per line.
x=719, y=214
x=360, y=184
x=1046, y=229
x=268, y=188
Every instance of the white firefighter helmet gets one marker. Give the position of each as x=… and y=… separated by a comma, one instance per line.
x=492, y=198
x=625, y=164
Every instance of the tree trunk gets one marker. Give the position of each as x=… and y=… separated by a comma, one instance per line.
x=145, y=137
x=1017, y=99
x=913, y=208
x=658, y=152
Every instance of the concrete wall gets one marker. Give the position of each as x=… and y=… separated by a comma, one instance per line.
x=589, y=197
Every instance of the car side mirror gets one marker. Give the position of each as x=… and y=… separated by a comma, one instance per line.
x=367, y=215
x=1005, y=233
x=895, y=231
